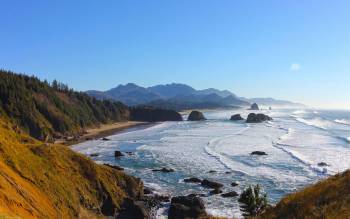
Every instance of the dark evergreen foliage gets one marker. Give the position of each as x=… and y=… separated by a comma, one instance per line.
x=45, y=110
x=150, y=114
x=252, y=201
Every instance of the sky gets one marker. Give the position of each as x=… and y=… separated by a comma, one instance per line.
x=293, y=49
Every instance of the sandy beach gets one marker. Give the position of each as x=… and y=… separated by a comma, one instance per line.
x=100, y=132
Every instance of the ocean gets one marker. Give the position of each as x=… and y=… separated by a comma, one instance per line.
x=296, y=141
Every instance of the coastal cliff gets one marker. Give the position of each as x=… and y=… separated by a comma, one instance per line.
x=40, y=180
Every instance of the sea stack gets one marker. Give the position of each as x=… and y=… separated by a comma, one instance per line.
x=236, y=117
x=196, y=116
x=254, y=106
x=257, y=118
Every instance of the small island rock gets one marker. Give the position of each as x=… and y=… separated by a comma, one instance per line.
x=164, y=170
x=257, y=118
x=260, y=153
x=211, y=184
x=192, y=180
x=236, y=117
x=196, y=116
x=254, y=106
x=118, y=154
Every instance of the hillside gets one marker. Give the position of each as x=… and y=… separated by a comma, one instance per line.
x=41, y=180
x=51, y=110
x=326, y=199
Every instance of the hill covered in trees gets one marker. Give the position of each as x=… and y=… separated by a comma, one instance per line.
x=47, y=110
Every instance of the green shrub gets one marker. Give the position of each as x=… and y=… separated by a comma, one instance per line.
x=252, y=201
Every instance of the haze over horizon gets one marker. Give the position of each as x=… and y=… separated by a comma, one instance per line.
x=291, y=50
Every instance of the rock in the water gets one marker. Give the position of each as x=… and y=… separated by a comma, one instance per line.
x=186, y=207
x=322, y=164
x=164, y=170
x=257, y=118
x=94, y=155
x=234, y=184
x=147, y=191
x=192, y=180
x=229, y=194
x=211, y=184
x=196, y=116
x=260, y=153
x=254, y=106
x=236, y=117
x=106, y=139
x=133, y=209
x=118, y=154
x=215, y=191
x=212, y=171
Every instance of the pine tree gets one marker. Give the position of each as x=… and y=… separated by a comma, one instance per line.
x=252, y=202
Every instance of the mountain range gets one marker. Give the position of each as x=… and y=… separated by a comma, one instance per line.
x=180, y=96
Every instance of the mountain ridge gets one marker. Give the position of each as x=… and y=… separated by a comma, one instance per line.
x=181, y=96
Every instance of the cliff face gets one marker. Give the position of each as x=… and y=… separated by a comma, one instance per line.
x=39, y=180
x=326, y=199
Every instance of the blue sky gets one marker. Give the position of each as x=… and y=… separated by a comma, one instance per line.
x=293, y=49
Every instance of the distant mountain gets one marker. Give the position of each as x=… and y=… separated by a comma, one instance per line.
x=181, y=96
x=130, y=94
x=273, y=102
x=221, y=93
x=172, y=90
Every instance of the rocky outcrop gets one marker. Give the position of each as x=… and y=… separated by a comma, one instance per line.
x=236, y=117
x=254, y=106
x=234, y=184
x=259, y=153
x=150, y=114
x=192, y=180
x=196, y=116
x=118, y=154
x=186, y=207
x=322, y=164
x=132, y=209
x=211, y=184
x=257, y=118
x=229, y=194
x=164, y=170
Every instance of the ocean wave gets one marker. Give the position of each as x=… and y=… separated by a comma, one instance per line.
x=346, y=139
x=317, y=122
x=302, y=159
x=342, y=121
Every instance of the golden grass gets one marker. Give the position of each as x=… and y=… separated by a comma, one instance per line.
x=329, y=198
x=51, y=181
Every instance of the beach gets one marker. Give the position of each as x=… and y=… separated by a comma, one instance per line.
x=101, y=131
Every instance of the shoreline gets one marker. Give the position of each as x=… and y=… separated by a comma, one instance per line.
x=103, y=131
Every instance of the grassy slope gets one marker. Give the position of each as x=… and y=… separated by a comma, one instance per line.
x=51, y=181
x=326, y=199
